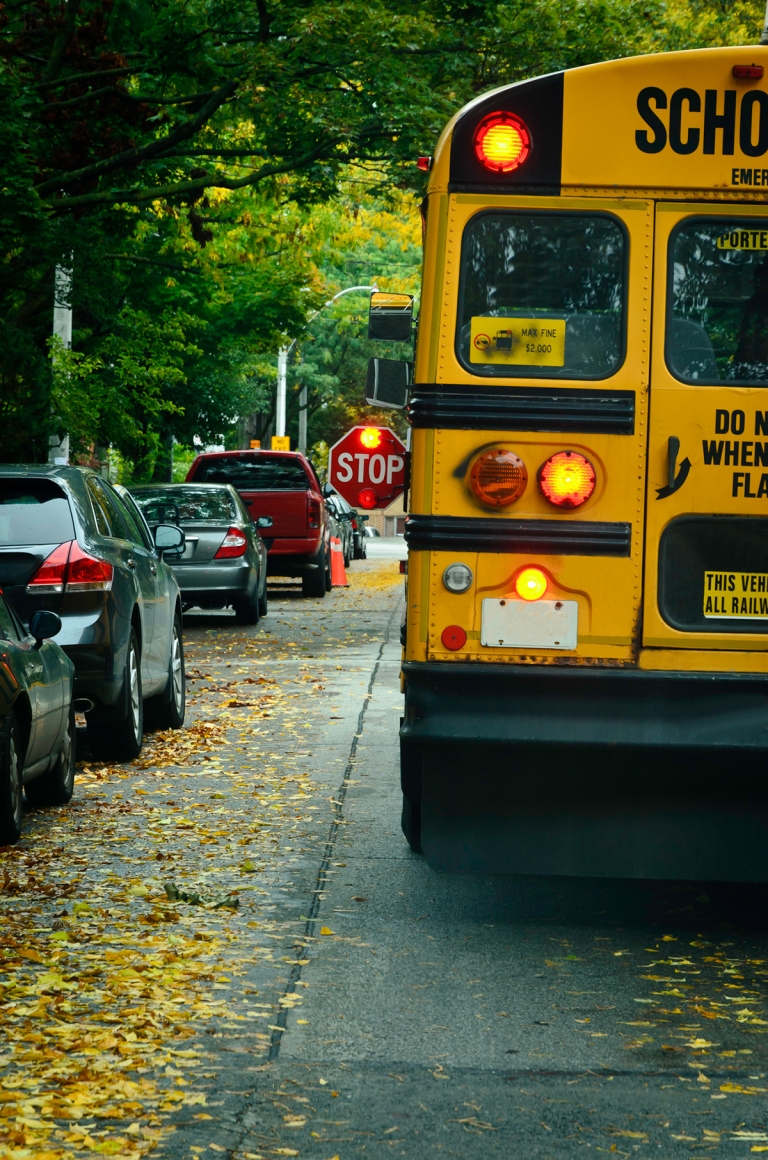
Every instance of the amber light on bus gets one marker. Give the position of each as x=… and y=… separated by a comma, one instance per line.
x=531, y=584
x=498, y=477
x=502, y=142
x=567, y=479
x=370, y=437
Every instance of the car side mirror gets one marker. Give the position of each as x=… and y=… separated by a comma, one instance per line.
x=264, y=522
x=364, y=518
x=43, y=625
x=390, y=317
x=387, y=383
x=328, y=490
x=169, y=538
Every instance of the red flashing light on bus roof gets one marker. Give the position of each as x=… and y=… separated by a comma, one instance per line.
x=502, y=142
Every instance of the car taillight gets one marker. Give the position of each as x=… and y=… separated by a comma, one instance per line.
x=502, y=142
x=87, y=573
x=567, y=479
x=498, y=477
x=531, y=584
x=313, y=519
x=234, y=544
x=52, y=573
x=354, y=525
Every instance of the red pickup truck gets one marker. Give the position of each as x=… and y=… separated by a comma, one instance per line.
x=283, y=485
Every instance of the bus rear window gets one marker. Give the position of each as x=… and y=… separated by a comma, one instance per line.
x=717, y=326
x=262, y=473
x=34, y=511
x=542, y=294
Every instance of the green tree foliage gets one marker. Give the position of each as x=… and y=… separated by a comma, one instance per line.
x=171, y=155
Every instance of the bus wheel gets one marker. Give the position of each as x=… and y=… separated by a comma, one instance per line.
x=410, y=820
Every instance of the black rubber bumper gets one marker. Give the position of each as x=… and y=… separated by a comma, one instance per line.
x=513, y=704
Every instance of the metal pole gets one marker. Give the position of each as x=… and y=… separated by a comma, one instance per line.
x=303, y=400
x=58, y=452
x=282, y=366
x=764, y=36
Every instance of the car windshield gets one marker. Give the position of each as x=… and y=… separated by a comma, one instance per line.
x=717, y=329
x=255, y=473
x=187, y=505
x=542, y=294
x=34, y=511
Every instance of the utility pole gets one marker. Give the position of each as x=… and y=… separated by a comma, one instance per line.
x=764, y=36
x=58, y=451
x=282, y=365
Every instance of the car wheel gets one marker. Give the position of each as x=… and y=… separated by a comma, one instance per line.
x=55, y=787
x=169, y=714
x=121, y=739
x=11, y=751
x=264, y=600
x=247, y=611
x=314, y=583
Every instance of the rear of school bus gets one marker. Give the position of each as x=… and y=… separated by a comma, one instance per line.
x=585, y=667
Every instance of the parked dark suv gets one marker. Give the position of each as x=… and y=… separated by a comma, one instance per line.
x=71, y=544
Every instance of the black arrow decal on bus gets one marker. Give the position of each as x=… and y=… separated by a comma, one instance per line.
x=675, y=481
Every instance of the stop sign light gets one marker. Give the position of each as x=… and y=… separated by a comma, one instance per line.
x=367, y=467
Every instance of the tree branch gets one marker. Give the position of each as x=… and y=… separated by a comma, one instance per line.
x=61, y=40
x=264, y=20
x=184, y=188
x=77, y=78
x=154, y=262
x=143, y=153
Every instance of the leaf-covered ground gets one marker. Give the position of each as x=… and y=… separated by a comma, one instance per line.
x=153, y=914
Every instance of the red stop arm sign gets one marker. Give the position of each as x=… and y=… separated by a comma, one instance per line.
x=367, y=467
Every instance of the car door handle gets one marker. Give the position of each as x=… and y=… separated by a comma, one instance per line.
x=131, y=562
x=153, y=569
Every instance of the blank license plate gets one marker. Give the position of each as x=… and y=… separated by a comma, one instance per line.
x=530, y=624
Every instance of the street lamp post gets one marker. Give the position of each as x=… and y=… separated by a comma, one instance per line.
x=282, y=375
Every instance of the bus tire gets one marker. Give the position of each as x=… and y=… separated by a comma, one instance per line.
x=410, y=820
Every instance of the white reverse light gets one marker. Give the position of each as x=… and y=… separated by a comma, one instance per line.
x=457, y=577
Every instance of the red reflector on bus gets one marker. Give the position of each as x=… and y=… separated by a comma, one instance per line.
x=567, y=479
x=751, y=71
x=453, y=637
x=498, y=477
x=424, y=163
x=502, y=142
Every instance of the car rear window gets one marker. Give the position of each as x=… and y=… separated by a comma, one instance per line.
x=187, y=505
x=265, y=473
x=34, y=511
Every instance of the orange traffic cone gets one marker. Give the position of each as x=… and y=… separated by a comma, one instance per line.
x=338, y=575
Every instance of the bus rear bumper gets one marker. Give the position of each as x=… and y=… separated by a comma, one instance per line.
x=545, y=704
x=589, y=772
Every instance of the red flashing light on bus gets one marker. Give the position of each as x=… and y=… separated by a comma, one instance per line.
x=502, y=142
x=567, y=479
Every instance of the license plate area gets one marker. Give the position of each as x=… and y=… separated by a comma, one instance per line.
x=530, y=624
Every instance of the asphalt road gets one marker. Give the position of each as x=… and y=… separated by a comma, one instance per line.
x=312, y=988
x=471, y=1017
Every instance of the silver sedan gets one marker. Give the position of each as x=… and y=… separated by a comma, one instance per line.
x=224, y=559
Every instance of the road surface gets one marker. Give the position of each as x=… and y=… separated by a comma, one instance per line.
x=353, y=1002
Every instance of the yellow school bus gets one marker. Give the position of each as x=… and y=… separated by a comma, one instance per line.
x=585, y=648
